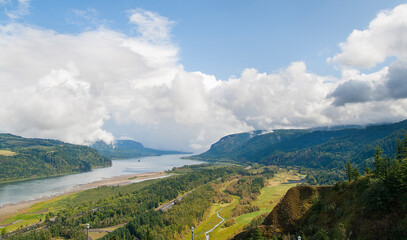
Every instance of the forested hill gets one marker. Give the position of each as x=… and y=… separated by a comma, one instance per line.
x=24, y=158
x=122, y=149
x=309, y=148
x=373, y=206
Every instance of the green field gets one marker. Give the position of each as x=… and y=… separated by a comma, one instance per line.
x=269, y=196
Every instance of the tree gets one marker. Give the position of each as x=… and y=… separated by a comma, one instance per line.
x=256, y=235
x=379, y=164
x=348, y=170
x=368, y=171
x=399, y=150
x=355, y=173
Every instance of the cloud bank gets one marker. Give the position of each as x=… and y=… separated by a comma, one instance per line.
x=103, y=84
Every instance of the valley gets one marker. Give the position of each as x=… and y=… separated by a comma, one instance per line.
x=232, y=198
x=273, y=190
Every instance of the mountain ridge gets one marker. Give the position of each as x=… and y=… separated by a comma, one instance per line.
x=307, y=147
x=122, y=149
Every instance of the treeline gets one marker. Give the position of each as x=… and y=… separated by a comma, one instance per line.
x=393, y=172
x=324, y=176
x=41, y=157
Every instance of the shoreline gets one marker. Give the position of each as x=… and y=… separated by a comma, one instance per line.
x=11, y=209
x=48, y=176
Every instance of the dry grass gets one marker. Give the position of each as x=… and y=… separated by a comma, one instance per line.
x=7, y=153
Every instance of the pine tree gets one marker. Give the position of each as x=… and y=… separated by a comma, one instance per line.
x=399, y=150
x=368, y=171
x=256, y=235
x=348, y=170
x=355, y=173
x=379, y=164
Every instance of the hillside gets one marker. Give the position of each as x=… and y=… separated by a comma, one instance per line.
x=309, y=148
x=122, y=149
x=363, y=209
x=25, y=158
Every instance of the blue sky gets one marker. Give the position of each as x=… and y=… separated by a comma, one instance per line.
x=182, y=74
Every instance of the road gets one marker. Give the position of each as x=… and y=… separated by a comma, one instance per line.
x=172, y=203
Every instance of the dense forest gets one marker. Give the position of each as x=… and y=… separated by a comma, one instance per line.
x=24, y=158
x=323, y=151
x=123, y=149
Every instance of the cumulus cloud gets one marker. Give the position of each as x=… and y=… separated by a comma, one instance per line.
x=378, y=96
x=102, y=84
x=69, y=86
x=352, y=91
x=397, y=80
x=290, y=98
x=385, y=37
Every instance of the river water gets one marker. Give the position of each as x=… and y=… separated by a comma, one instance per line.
x=33, y=189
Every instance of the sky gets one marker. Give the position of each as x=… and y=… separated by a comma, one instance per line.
x=182, y=74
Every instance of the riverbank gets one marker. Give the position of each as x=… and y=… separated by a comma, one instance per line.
x=9, y=210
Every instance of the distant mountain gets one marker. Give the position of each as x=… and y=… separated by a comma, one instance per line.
x=25, y=158
x=309, y=148
x=122, y=149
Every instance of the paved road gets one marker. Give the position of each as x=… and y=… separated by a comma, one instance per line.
x=217, y=225
x=172, y=203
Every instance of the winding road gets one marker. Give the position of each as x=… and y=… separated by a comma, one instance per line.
x=217, y=225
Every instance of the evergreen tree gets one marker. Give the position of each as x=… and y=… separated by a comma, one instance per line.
x=368, y=171
x=379, y=164
x=256, y=235
x=399, y=150
x=348, y=170
x=355, y=173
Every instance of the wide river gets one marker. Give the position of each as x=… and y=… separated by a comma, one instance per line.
x=33, y=189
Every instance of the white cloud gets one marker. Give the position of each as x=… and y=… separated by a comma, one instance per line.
x=385, y=37
x=290, y=98
x=381, y=95
x=100, y=83
x=151, y=26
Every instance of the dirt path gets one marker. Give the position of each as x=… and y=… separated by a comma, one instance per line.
x=217, y=225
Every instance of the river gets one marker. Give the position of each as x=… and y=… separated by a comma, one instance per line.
x=44, y=187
